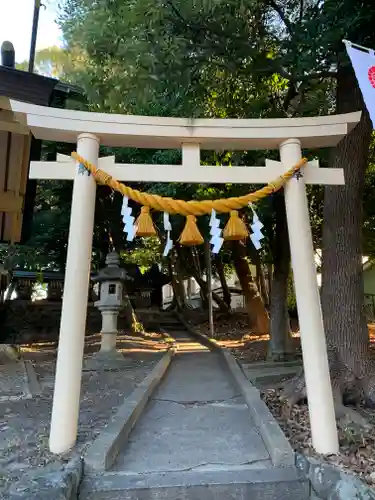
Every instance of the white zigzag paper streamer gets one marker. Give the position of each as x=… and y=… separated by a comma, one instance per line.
x=166, y=222
x=215, y=232
x=128, y=220
x=168, y=228
x=256, y=227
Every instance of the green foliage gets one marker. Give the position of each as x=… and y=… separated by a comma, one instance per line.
x=52, y=61
x=227, y=59
x=145, y=254
x=292, y=302
x=195, y=58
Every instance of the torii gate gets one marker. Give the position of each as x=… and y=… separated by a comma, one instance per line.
x=90, y=130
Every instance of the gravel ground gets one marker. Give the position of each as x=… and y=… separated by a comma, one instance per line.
x=357, y=447
x=235, y=334
x=24, y=424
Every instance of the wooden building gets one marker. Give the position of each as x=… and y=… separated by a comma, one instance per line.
x=17, y=145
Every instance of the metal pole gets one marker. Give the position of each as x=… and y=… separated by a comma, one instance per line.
x=34, y=34
x=209, y=287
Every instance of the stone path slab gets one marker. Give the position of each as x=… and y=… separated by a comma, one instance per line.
x=263, y=374
x=195, y=421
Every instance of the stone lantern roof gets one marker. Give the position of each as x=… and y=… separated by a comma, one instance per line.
x=112, y=271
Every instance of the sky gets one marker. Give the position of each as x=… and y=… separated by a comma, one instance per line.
x=16, y=18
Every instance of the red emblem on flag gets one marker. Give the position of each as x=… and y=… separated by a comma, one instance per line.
x=371, y=76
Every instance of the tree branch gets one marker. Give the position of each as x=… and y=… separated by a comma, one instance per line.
x=273, y=65
x=319, y=75
x=290, y=95
x=278, y=10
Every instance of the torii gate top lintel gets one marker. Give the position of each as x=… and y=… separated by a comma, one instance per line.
x=118, y=130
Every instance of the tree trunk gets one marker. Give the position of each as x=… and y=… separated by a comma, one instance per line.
x=261, y=282
x=196, y=273
x=224, y=285
x=173, y=305
x=204, y=289
x=280, y=335
x=130, y=314
x=258, y=315
x=177, y=284
x=188, y=290
x=10, y=291
x=203, y=296
x=342, y=289
x=269, y=278
x=131, y=317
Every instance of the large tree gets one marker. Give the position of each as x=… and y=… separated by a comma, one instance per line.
x=245, y=59
x=133, y=78
x=202, y=59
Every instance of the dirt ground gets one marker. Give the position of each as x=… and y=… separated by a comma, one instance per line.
x=357, y=449
x=24, y=424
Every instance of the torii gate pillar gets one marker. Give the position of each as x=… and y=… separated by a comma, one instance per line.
x=313, y=342
x=66, y=398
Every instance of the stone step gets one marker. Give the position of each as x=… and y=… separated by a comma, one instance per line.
x=269, y=372
x=240, y=483
x=259, y=365
x=263, y=377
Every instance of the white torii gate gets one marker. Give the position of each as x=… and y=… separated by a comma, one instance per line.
x=90, y=130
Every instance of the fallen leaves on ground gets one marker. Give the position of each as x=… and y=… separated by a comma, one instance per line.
x=24, y=424
x=357, y=449
x=234, y=332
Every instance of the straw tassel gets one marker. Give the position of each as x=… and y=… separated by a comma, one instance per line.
x=236, y=228
x=144, y=224
x=191, y=236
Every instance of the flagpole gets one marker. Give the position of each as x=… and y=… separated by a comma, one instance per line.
x=351, y=44
x=209, y=287
x=34, y=34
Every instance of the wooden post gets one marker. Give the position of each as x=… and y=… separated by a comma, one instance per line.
x=209, y=287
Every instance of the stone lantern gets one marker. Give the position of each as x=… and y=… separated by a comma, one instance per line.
x=111, y=281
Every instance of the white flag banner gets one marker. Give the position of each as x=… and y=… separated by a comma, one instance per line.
x=363, y=62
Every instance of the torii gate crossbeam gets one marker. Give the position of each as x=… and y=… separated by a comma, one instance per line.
x=90, y=130
x=64, y=169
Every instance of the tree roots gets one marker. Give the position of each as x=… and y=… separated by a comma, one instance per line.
x=348, y=389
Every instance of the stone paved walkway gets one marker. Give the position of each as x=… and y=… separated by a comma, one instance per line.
x=195, y=440
x=195, y=420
